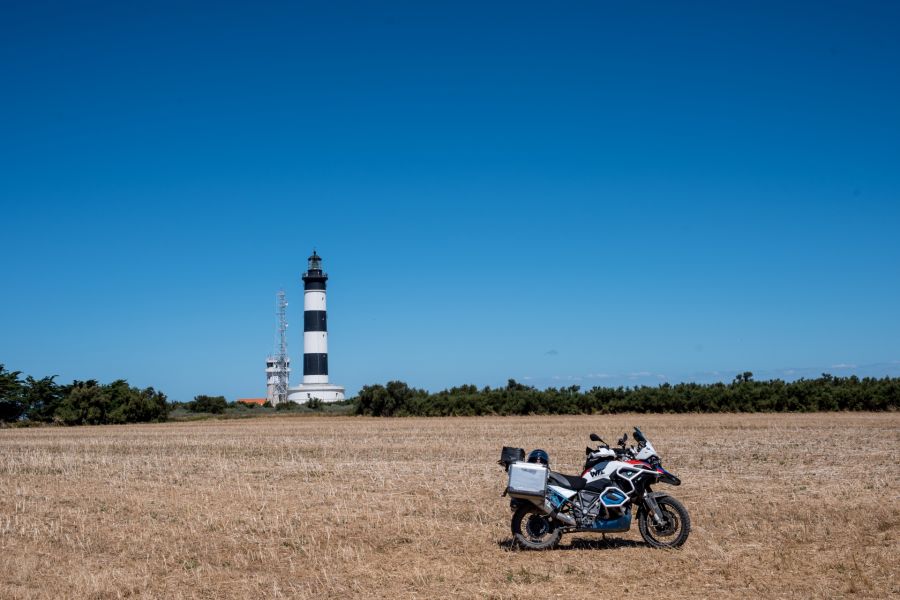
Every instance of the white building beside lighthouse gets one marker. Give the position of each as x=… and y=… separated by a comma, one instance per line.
x=315, y=340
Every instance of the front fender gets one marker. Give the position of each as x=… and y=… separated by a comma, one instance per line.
x=669, y=478
x=656, y=495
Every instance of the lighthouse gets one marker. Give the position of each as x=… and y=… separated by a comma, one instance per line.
x=315, y=339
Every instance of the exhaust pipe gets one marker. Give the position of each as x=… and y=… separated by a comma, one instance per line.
x=554, y=514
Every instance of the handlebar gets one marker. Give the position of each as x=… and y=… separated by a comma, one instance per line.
x=622, y=449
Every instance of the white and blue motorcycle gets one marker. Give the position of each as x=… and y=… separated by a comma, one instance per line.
x=614, y=486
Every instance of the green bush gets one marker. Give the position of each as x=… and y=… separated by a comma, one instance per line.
x=742, y=395
x=90, y=403
x=208, y=404
x=12, y=401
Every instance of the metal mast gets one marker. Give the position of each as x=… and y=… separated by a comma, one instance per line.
x=278, y=366
x=282, y=362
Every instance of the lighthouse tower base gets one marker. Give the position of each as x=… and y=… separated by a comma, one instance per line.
x=325, y=392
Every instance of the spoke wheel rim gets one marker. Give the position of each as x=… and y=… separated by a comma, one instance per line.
x=670, y=529
x=536, y=528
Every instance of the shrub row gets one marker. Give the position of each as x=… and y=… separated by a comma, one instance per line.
x=79, y=403
x=742, y=395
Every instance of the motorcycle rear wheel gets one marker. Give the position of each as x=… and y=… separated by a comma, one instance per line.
x=534, y=530
x=673, y=532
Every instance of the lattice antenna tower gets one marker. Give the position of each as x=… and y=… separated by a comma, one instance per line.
x=282, y=362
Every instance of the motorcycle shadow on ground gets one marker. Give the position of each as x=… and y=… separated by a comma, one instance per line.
x=578, y=544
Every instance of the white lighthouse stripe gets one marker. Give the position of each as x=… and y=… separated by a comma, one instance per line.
x=315, y=342
x=315, y=379
x=314, y=300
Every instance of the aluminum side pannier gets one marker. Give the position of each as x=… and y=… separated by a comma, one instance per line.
x=527, y=480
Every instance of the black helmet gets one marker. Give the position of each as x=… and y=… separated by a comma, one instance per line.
x=539, y=456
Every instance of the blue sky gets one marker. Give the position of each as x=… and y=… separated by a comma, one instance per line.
x=579, y=193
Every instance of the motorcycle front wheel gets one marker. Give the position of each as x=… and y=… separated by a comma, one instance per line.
x=534, y=530
x=673, y=531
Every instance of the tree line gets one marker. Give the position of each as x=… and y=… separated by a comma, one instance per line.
x=27, y=400
x=78, y=403
x=92, y=403
x=825, y=393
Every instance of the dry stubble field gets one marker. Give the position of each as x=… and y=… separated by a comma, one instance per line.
x=782, y=506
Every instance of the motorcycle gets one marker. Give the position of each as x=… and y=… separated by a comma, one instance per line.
x=614, y=486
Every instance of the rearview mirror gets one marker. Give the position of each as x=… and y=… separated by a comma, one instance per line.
x=595, y=438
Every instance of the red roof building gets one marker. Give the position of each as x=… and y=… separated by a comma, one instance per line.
x=252, y=401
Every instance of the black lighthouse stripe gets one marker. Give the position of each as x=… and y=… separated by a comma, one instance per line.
x=314, y=320
x=314, y=282
x=315, y=364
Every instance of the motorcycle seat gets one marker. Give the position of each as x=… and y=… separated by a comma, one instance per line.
x=573, y=482
x=598, y=485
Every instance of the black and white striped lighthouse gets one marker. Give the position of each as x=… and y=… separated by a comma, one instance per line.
x=315, y=339
x=315, y=328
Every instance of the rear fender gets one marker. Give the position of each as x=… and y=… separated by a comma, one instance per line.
x=515, y=503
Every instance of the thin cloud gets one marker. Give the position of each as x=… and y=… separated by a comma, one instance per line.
x=551, y=353
x=598, y=375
